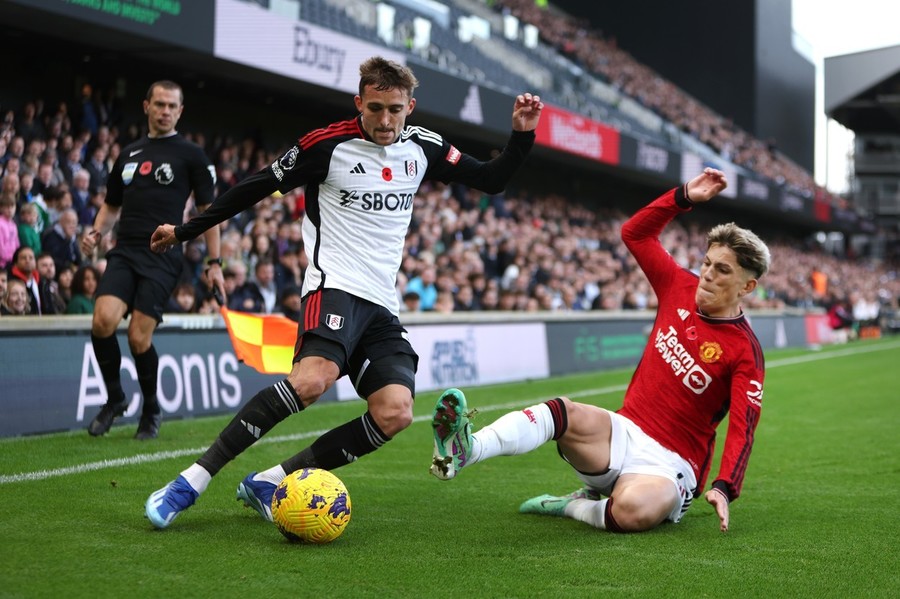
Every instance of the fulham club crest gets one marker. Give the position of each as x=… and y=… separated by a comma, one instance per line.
x=334, y=322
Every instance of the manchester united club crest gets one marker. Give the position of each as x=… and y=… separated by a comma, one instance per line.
x=710, y=352
x=334, y=322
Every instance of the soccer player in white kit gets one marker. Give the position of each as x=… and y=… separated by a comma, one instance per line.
x=361, y=176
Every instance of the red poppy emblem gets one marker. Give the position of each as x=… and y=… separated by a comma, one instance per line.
x=386, y=174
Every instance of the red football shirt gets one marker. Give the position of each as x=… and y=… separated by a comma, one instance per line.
x=695, y=369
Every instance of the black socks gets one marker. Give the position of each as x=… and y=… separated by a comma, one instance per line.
x=258, y=416
x=340, y=446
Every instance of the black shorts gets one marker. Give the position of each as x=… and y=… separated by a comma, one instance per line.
x=365, y=340
x=140, y=278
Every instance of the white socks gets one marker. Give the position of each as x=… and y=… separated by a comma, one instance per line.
x=274, y=475
x=514, y=433
x=197, y=477
x=590, y=511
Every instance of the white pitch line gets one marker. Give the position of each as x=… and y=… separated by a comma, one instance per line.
x=180, y=453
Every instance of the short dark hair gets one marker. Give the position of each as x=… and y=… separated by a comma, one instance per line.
x=385, y=74
x=165, y=84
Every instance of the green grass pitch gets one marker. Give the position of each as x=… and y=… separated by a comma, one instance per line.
x=819, y=517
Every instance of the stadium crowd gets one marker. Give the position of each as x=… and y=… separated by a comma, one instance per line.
x=600, y=55
x=464, y=250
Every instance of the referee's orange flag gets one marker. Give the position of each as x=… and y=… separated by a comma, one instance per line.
x=262, y=341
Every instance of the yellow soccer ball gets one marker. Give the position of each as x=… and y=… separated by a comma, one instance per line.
x=311, y=505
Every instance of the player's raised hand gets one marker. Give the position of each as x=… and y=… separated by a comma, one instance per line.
x=527, y=112
x=163, y=239
x=718, y=500
x=706, y=185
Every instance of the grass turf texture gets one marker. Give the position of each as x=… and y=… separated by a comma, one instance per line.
x=818, y=518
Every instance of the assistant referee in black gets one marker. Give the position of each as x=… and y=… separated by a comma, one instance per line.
x=149, y=185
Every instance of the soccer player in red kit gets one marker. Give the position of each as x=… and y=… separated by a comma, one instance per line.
x=644, y=464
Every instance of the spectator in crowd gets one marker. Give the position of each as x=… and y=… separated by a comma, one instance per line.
x=61, y=241
x=70, y=161
x=289, y=271
x=259, y=295
x=291, y=303
x=26, y=188
x=64, y=280
x=137, y=281
x=95, y=202
x=444, y=303
x=229, y=277
x=411, y=302
x=28, y=227
x=9, y=230
x=43, y=180
x=643, y=464
x=53, y=303
x=24, y=268
x=84, y=286
x=261, y=249
x=350, y=323
x=88, y=118
x=465, y=300
x=81, y=197
x=236, y=280
x=56, y=200
x=15, y=150
x=183, y=300
x=28, y=125
x=96, y=168
x=424, y=285
x=15, y=301
x=4, y=279
x=12, y=169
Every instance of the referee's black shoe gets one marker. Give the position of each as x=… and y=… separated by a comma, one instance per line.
x=104, y=420
x=148, y=427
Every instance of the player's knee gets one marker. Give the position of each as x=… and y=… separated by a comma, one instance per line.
x=103, y=326
x=311, y=388
x=138, y=343
x=635, y=513
x=394, y=415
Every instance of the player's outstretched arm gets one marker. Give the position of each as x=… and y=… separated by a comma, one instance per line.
x=718, y=500
x=705, y=186
x=526, y=112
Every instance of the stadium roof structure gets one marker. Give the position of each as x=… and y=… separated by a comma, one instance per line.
x=862, y=90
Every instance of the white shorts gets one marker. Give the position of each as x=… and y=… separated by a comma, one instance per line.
x=632, y=451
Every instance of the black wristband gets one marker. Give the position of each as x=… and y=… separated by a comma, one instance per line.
x=681, y=199
x=212, y=261
x=722, y=488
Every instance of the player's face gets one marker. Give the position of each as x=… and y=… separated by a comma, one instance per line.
x=723, y=282
x=384, y=113
x=163, y=110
